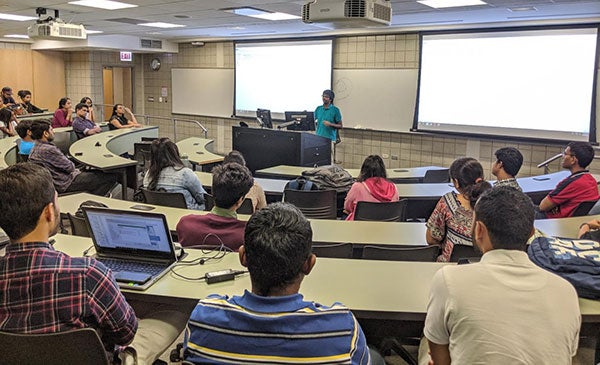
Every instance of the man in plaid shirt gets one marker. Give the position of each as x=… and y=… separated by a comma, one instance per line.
x=46, y=291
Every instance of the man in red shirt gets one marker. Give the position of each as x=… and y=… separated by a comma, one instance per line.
x=579, y=187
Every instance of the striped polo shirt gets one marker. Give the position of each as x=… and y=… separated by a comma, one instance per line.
x=251, y=329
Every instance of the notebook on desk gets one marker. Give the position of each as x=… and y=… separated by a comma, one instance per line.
x=136, y=246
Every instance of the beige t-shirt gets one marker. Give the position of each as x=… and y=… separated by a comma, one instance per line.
x=503, y=310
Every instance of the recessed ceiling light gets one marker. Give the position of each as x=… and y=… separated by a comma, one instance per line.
x=103, y=4
x=522, y=8
x=153, y=33
x=89, y=31
x=20, y=18
x=181, y=16
x=162, y=25
x=22, y=36
x=237, y=28
x=261, y=14
x=450, y=3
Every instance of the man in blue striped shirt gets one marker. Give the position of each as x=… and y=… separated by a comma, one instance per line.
x=273, y=324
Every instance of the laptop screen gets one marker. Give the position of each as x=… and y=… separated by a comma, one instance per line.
x=127, y=232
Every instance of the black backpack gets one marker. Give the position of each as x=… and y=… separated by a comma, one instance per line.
x=301, y=183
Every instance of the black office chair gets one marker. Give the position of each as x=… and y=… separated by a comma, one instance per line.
x=166, y=199
x=537, y=196
x=464, y=252
x=246, y=208
x=583, y=208
x=426, y=253
x=384, y=211
x=436, y=176
x=78, y=226
x=209, y=202
x=420, y=209
x=79, y=346
x=320, y=204
x=333, y=250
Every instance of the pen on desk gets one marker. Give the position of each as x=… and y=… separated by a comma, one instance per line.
x=51, y=241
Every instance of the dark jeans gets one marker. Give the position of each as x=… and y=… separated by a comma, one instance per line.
x=93, y=182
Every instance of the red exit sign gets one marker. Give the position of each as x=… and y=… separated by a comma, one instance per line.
x=126, y=56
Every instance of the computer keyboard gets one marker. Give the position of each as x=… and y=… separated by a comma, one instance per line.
x=145, y=267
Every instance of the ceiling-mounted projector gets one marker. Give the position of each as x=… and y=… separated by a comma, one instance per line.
x=54, y=28
x=348, y=13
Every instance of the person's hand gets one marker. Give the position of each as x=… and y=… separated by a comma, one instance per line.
x=327, y=123
x=127, y=110
x=594, y=224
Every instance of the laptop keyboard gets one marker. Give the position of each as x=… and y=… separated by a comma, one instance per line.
x=145, y=267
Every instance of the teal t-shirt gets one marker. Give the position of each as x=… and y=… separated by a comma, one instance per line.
x=331, y=114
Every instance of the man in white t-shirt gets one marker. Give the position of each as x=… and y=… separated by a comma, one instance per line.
x=504, y=309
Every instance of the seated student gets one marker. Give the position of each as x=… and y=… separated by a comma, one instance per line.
x=63, y=116
x=451, y=220
x=492, y=312
x=370, y=186
x=90, y=114
x=64, y=174
x=24, y=144
x=230, y=184
x=25, y=96
x=7, y=122
x=47, y=291
x=82, y=126
x=256, y=193
x=508, y=163
x=579, y=187
x=118, y=120
x=273, y=322
x=7, y=99
x=168, y=172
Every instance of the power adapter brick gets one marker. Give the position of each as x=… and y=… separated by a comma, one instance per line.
x=221, y=275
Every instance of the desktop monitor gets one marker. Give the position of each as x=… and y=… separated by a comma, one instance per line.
x=264, y=118
x=303, y=121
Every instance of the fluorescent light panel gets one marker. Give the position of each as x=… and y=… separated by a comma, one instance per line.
x=162, y=25
x=437, y=4
x=22, y=36
x=89, y=31
x=261, y=14
x=20, y=18
x=103, y=4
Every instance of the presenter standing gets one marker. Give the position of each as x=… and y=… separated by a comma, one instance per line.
x=328, y=117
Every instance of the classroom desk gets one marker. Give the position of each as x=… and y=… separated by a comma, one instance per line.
x=324, y=230
x=273, y=187
x=101, y=151
x=413, y=174
x=196, y=150
x=384, y=307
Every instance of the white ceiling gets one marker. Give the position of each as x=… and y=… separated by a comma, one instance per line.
x=204, y=20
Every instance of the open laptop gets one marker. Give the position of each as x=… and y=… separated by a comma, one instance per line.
x=136, y=246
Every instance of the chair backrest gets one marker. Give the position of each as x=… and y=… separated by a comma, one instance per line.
x=537, y=196
x=583, y=208
x=334, y=250
x=420, y=208
x=166, y=199
x=246, y=208
x=463, y=252
x=78, y=226
x=319, y=204
x=209, y=202
x=80, y=346
x=141, y=153
x=436, y=176
x=384, y=211
x=427, y=253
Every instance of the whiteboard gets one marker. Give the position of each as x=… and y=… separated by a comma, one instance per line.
x=381, y=99
x=202, y=91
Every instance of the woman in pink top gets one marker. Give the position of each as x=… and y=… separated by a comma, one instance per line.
x=372, y=185
x=63, y=116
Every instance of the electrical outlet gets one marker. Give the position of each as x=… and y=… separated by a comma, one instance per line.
x=395, y=157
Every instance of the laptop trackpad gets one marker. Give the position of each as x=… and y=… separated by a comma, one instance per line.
x=132, y=277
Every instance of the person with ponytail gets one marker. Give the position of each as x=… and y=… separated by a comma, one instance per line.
x=451, y=221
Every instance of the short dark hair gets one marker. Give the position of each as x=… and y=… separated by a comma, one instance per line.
x=23, y=93
x=511, y=159
x=277, y=242
x=235, y=156
x=583, y=151
x=31, y=189
x=38, y=127
x=468, y=172
x=508, y=215
x=372, y=166
x=23, y=127
x=62, y=102
x=230, y=182
x=6, y=89
x=5, y=115
x=80, y=106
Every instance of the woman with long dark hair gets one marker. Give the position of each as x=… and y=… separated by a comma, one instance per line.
x=168, y=172
x=63, y=116
x=118, y=119
x=372, y=185
x=451, y=221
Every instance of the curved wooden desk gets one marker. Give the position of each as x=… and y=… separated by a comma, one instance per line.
x=101, y=151
x=197, y=151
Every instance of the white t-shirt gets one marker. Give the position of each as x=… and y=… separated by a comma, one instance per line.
x=503, y=310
